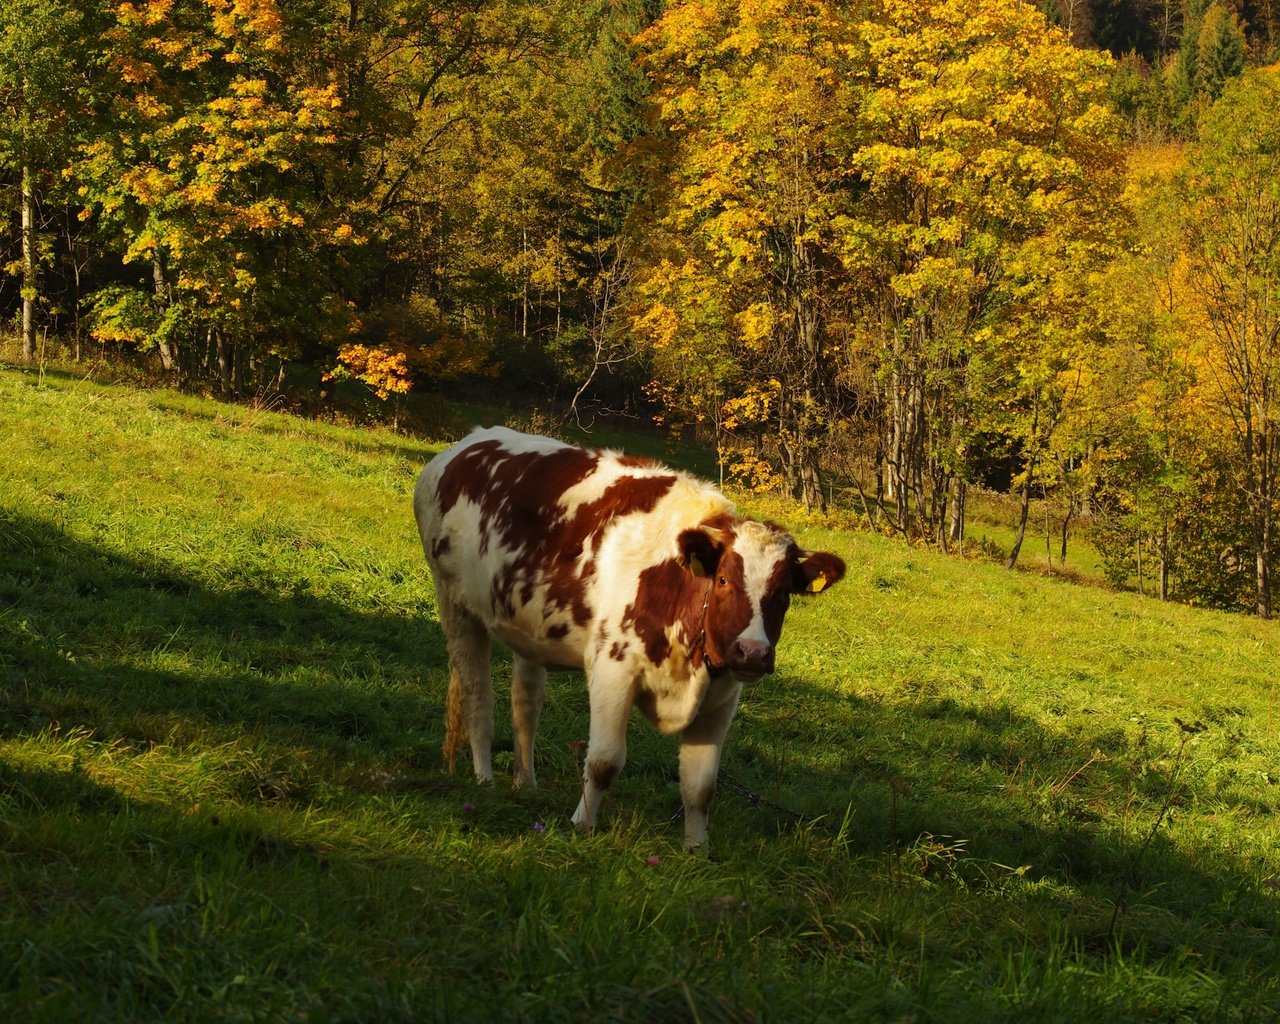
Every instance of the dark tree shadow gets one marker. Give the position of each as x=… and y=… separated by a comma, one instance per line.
x=96, y=639
x=949, y=804
x=306, y=671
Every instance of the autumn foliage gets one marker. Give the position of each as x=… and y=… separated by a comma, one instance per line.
x=880, y=253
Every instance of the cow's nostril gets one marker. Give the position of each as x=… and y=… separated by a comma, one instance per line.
x=751, y=654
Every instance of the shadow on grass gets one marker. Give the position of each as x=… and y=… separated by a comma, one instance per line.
x=140, y=650
x=963, y=797
x=142, y=653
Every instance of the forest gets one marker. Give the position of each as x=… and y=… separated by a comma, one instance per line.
x=877, y=252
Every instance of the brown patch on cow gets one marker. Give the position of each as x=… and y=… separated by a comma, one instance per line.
x=516, y=491
x=618, y=652
x=728, y=610
x=819, y=570
x=466, y=474
x=565, y=582
x=518, y=495
x=602, y=774
x=636, y=461
x=440, y=547
x=724, y=522
x=777, y=595
x=557, y=632
x=503, y=588
x=666, y=595
x=630, y=495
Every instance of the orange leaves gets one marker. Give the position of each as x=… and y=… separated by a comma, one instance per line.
x=755, y=405
x=148, y=13
x=749, y=470
x=259, y=19
x=383, y=370
x=201, y=179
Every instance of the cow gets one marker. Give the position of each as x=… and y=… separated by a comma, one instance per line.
x=642, y=576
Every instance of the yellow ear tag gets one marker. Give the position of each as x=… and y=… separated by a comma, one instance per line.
x=695, y=566
x=816, y=584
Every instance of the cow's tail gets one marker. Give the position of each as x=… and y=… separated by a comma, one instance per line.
x=455, y=727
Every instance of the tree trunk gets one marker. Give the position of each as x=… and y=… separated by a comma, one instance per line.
x=29, y=266
x=1026, y=488
x=1164, y=558
x=1048, y=529
x=1261, y=559
x=1012, y=560
x=168, y=358
x=224, y=361
x=1264, y=586
x=955, y=529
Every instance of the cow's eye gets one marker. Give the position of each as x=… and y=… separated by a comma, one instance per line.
x=723, y=582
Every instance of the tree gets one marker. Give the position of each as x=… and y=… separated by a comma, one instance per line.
x=1233, y=244
x=499, y=199
x=756, y=102
x=1141, y=424
x=45, y=69
x=988, y=180
x=1211, y=51
x=211, y=167
x=1221, y=50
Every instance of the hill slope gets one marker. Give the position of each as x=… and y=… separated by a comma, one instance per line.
x=221, y=686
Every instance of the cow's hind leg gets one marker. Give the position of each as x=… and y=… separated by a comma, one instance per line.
x=528, y=683
x=611, y=701
x=700, y=746
x=470, y=702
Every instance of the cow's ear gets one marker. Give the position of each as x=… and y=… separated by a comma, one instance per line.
x=700, y=551
x=814, y=571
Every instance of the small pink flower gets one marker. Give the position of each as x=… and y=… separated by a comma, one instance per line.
x=468, y=807
x=653, y=860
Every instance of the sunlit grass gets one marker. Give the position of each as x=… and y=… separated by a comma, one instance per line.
x=221, y=795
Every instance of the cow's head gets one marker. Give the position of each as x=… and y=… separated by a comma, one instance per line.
x=752, y=569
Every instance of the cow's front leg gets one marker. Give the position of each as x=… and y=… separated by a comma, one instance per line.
x=610, y=693
x=700, y=746
x=528, y=684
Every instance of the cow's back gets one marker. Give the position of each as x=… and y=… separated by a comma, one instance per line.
x=542, y=541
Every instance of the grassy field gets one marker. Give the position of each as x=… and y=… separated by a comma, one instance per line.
x=985, y=796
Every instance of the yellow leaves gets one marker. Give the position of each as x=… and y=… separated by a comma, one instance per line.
x=201, y=193
x=750, y=470
x=149, y=13
x=659, y=323
x=147, y=183
x=134, y=71
x=256, y=19
x=755, y=405
x=268, y=215
x=756, y=323
x=147, y=105
x=383, y=370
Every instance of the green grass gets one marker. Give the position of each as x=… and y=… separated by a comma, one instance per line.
x=221, y=794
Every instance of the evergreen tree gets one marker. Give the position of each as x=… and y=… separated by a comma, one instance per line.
x=1221, y=50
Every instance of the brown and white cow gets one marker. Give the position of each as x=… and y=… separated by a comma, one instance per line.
x=640, y=575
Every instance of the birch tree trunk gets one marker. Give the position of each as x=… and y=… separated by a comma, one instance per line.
x=164, y=346
x=29, y=266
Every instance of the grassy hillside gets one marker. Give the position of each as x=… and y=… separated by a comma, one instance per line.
x=221, y=684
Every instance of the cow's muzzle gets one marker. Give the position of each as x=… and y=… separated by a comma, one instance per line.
x=750, y=659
